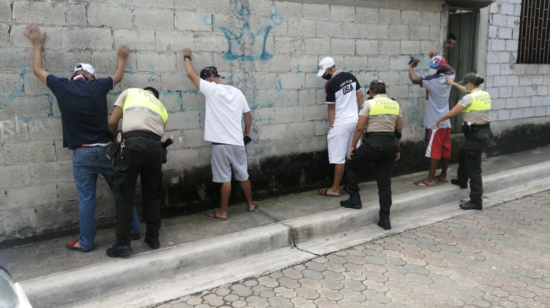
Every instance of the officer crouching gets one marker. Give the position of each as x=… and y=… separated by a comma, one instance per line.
x=382, y=118
x=475, y=108
x=141, y=155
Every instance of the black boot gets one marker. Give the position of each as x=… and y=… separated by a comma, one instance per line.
x=471, y=206
x=153, y=243
x=462, y=184
x=384, y=222
x=118, y=251
x=354, y=202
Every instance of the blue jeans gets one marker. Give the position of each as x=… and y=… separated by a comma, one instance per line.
x=87, y=164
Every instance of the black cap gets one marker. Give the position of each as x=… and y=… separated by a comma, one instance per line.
x=210, y=71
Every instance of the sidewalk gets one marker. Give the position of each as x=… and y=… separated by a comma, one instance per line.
x=193, y=242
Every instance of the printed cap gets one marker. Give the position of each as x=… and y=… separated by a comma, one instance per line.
x=325, y=64
x=437, y=62
x=210, y=71
x=84, y=67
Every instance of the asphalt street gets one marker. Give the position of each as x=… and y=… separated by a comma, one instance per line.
x=498, y=258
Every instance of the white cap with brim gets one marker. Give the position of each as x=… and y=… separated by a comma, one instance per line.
x=84, y=67
x=325, y=64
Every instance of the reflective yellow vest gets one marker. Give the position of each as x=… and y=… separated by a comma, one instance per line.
x=141, y=100
x=383, y=106
x=481, y=102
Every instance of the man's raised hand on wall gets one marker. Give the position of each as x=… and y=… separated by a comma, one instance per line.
x=37, y=39
x=34, y=35
x=124, y=51
x=189, y=70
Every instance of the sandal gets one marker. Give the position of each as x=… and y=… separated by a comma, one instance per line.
x=423, y=183
x=213, y=216
x=324, y=193
x=71, y=246
x=437, y=178
x=255, y=208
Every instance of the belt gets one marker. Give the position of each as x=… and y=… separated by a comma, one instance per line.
x=217, y=143
x=143, y=134
x=486, y=125
x=380, y=134
x=90, y=146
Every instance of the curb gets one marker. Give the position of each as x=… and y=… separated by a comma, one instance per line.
x=109, y=278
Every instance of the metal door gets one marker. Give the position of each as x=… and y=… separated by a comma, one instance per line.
x=463, y=56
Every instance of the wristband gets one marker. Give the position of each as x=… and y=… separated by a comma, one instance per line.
x=187, y=57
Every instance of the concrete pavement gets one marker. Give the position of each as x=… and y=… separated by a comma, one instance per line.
x=193, y=245
x=496, y=258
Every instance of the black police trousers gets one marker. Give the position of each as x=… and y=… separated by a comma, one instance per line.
x=142, y=157
x=381, y=150
x=469, y=162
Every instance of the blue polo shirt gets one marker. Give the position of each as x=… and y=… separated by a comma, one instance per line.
x=83, y=106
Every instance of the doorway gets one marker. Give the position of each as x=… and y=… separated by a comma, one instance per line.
x=463, y=56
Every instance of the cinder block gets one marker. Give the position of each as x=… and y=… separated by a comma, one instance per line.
x=10, y=84
x=498, y=20
x=321, y=128
x=292, y=46
x=391, y=78
x=328, y=29
x=263, y=8
x=272, y=132
x=504, y=57
x=515, y=34
x=88, y=38
x=306, y=64
x=492, y=57
x=538, y=79
x=216, y=43
x=543, y=90
x=494, y=92
x=400, y=32
x=65, y=62
x=342, y=46
x=493, y=31
x=504, y=115
x=498, y=104
x=214, y=6
x=292, y=80
x=5, y=11
x=352, y=30
x=175, y=40
x=52, y=172
x=4, y=35
x=62, y=153
x=411, y=18
x=379, y=63
x=176, y=82
x=512, y=81
x=506, y=69
x=511, y=45
x=427, y=46
x=54, y=37
x=289, y=10
x=316, y=11
x=497, y=45
x=76, y=15
x=390, y=17
x=342, y=13
x=420, y=33
x=106, y=62
x=156, y=62
x=28, y=152
x=517, y=10
x=366, y=47
x=300, y=130
x=505, y=33
x=188, y=21
x=518, y=91
x=512, y=22
x=389, y=47
x=67, y=192
x=316, y=113
x=45, y=129
x=288, y=114
x=188, y=119
x=544, y=69
x=431, y=18
x=410, y=47
x=505, y=92
x=507, y=9
x=301, y=28
x=367, y=15
x=32, y=195
x=377, y=32
x=516, y=113
x=314, y=144
x=154, y=19
x=135, y=39
x=110, y=16
x=41, y=13
x=316, y=46
x=18, y=176
x=500, y=81
x=195, y=138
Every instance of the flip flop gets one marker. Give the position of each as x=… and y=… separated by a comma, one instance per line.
x=324, y=193
x=440, y=180
x=70, y=246
x=213, y=216
x=255, y=208
x=423, y=183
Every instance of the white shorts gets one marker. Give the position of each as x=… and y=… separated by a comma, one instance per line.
x=339, y=141
x=227, y=157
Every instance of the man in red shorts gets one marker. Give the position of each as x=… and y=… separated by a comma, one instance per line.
x=437, y=140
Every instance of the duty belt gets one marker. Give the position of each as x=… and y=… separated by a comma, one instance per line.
x=143, y=134
x=486, y=125
x=380, y=134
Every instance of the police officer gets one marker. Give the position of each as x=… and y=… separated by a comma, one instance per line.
x=475, y=108
x=382, y=118
x=141, y=155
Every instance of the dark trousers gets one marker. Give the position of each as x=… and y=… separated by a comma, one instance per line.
x=469, y=162
x=142, y=158
x=381, y=150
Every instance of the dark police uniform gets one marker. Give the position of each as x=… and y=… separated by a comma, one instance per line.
x=380, y=147
x=478, y=134
x=141, y=156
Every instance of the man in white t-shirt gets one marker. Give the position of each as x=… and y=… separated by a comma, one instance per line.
x=225, y=107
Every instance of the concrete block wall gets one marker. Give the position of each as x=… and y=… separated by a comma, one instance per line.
x=520, y=92
x=268, y=49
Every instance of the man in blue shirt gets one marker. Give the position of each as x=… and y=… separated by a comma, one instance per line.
x=82, y=100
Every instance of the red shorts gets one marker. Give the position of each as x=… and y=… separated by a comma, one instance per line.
x=438, y=143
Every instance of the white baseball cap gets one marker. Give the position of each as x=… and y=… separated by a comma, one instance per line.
x=325, y=64
x=84, y=67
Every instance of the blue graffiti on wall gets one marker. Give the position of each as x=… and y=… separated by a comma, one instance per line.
x=236, y=39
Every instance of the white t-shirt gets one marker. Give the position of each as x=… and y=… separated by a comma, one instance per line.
x=225, y=106
x=438, y=93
